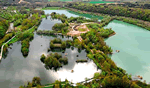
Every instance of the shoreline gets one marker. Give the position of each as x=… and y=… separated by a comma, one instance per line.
x=112, y=34
x=140, y=23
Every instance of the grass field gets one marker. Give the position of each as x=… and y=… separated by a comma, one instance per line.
x=28, y=9
x=81, y=29
x=43, y=16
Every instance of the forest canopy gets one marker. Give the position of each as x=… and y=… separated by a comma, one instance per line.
x=138, y=13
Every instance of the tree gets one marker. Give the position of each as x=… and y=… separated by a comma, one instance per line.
x=63, y=45
x=36, y=81
x=96, y=75
x=42, y=57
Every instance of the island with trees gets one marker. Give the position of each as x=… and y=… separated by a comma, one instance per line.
x=53, y=61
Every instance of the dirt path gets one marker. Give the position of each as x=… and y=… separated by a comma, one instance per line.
x=74, y=32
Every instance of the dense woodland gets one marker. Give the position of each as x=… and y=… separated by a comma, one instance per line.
x=3, y=28
x=142, y=14
x=108, y=18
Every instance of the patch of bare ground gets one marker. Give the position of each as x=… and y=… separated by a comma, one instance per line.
x=77, y=30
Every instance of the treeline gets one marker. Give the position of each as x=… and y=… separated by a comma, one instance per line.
x=23, y=14
x=19, y=19
x=28, y=23
x=108, y=18
x=8, y=15
x=25, y=10
x=142, y=14
x=3, y=28
x=12, y=14
x=54, y=61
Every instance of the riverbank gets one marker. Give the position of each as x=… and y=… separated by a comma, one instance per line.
x=140, y=23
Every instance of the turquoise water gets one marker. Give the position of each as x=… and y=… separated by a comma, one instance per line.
x=73, y=14
x=133, y=43
x=87, y=15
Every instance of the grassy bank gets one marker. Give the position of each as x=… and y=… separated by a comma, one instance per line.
x=43, y=16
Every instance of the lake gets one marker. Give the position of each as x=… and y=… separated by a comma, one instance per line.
x=15, y=70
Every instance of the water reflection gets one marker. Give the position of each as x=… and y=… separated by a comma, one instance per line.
x=47, y=24
x=15, y=69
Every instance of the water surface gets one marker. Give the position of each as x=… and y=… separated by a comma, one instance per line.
x=15, y=69
x=133, y=43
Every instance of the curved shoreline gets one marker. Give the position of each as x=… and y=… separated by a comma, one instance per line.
x=141, y=23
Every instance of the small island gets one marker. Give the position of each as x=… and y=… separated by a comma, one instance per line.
x=57, y=43
x=53, y=61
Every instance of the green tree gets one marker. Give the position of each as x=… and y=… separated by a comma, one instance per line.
x=42, y=57
x=36, y=81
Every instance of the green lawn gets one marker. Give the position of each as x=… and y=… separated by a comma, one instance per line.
x=81, y=29
x=13, y=40
x=43, y=16
x=28, y=9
